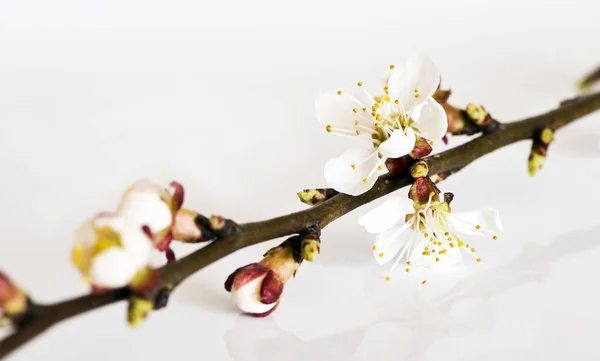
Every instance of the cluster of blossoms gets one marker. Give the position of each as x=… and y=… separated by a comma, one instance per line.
x=405, y=119
x=114, y=249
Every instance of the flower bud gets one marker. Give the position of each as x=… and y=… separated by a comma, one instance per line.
x=539, y=149
x=481, y=118
x=422, y=148
x=396, y=165
x=138, y=310
x=419, y=169
x=423, y=192
x=315, y=196
x=310, y=244
x=14, y=303
x=256, y=288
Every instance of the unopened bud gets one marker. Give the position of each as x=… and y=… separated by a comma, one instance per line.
x=419, y=169
x=138, y=310
x=481, y=118
x=185, y=228
x=217, y=223
x=310, y=243
x=421, y=149
x=315, y=196
x=539, y=150
x=396, y=165
x=547, y=136
x=423, y=191
x=535, y=162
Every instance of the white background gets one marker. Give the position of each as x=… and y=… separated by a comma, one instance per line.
x=219, y=95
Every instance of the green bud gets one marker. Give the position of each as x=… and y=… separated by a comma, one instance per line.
x=536, y=160
x=419, y=169
x=138, y=310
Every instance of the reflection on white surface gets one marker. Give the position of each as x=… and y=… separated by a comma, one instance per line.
x=409, y=323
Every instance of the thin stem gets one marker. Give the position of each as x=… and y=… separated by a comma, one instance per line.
x=320, y=215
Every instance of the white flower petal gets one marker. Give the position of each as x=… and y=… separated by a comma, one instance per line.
x=137, y=244
x=398, y=144
x=337, y=110
x=416, y=253
x=144, y=208
x=387, y=214
x=418, y=73
x=346, y=173
x=112, y=268
x=389, y=243
x=487, y=218
x=430, y=119
x=247, y=297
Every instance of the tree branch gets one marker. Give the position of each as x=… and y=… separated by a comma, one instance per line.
x=45, y=316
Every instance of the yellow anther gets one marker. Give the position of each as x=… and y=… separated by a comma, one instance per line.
x=467, y=246
x=407, y=270
x=355, y=110
x=356, y=122
x=387, y=278
x=427, y=248
x=339, y=92
x=417, y=95
x=431, y=142
x=451, y=245
x=386, y=88
x=447, y=234
x=495, y=238
x=365, y=180
x=379, y=168
x=472, y=249
x=408, y=263
x=364, y=109
x=437, y=259
x=478, y=226
x=426, y=253
x=392, y=67
x=432, y=193
x=374, y=247
x=360, y=83
x=386, y=98
x=425, y=235
x=478, y=259
x=328, y=128
x=449, y=238
x=381, y=255
x=433, y=251
x=373, y=114
x=357, y=132
x=396, y=101
x=424, y=282
x=354, y=167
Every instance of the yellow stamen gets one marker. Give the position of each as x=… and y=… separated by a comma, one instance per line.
x=392, y=67
x=478, y=226
x=472, y=249
x=495, y=238
x=365, y=180
x=387, y=278
x=328, y=128
x=381, y=255
x=437, y=259
x=478, y=259
x=339, y=92
x=374, y=247
x=353, y=166
x=360, y=83
x=407, y=270
x=424, y=282
x=357, y=132
x=355, y=110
